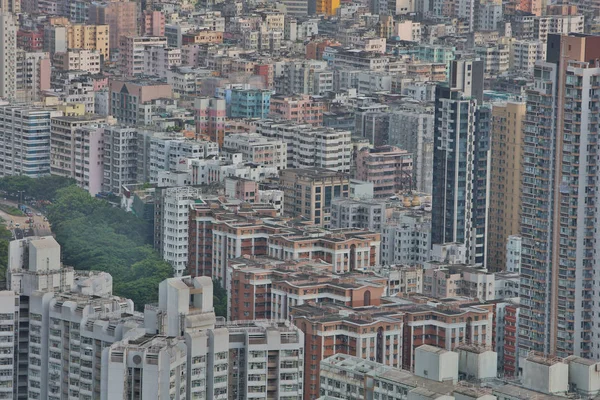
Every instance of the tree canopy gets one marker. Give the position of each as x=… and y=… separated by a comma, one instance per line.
x=43, y=188
x=95, y=236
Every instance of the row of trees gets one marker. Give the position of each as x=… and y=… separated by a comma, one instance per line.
x=43, y=188
x=96, y=236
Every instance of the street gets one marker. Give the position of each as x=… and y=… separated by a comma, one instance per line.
x=39, y=226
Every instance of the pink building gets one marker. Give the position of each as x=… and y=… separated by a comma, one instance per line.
x=300, y=108
x=120, y=16
x=389, y=168
x=99, y=82
x=211, y=118
x=241, y=189
x=153, y=23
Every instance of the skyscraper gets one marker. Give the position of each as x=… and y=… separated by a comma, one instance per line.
x=460, y=161
x=8, y=56
x=506, y=148
x=560, y=311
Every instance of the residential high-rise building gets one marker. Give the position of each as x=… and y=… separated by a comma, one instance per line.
x=257, y=149
x=308, y=192
x=506, y=151
x=411, y=129
x=120, y=16
x=211, y=115
x=171, y=214
x=461, y=158
x=388, y=167
x=89, y=37
x=33, y=75
x=8, y=55
x=10, y=6
x=132, y=50
x=25, y=138
x=76, y=150
x=310, y=146
x=120, y=157
x=559, y=296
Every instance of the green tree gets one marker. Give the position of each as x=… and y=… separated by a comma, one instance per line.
x=219, y=299
x=95, y=236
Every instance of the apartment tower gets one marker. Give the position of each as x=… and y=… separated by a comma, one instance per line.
x=559, y=294
x=460, y=161
x=506, y=148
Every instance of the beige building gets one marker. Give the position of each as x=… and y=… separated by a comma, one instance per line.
x=89, y=37
x=308, y=192
x=78, y=59
x=505, y=179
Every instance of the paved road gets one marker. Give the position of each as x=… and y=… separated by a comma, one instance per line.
x=40, y=227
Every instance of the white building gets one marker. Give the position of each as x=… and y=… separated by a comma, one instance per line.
x=78, y=60
x=33, y=75
x=310, y=146
x=158, y=60
x=513, y=254
x=25, y=134
x=9, y=328
x=406, y=238
x=354, y=213
x=158, y=366
x=74, y=327
x=409, y=30
x=120, y=157
x=524, y=54
x=171, y=224
x=167, y=153
x=132, y=52
x=273, y=197
x=257, y=149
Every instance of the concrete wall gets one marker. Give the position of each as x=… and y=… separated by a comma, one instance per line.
x=478, y=365
x=585, y=376
x=436, y=364
x=544, y=378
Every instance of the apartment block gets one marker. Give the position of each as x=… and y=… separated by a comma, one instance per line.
x=82, y=60
x=249, y=103
x=355, y=213
x=309, y=146
x=378, y=338
x=153, y=23
x=171, y=214
x=557, y=209
x=461, y=161
x=257, y=149
x=25, y=135
x=76, y=150
x=128, y=98
x=411, y=128
x=89, y=37
x=406, y=238
x=506, y=152
x=444, y=281
x=204, y=36
x=346, y=250
x=388, y=167
x=8, y=54
x=9, y=339
x=132, y=53
x=120, y=158
x=76, y=328
x=169, y=153
x=158, y=61
x=211, y=116
x=276, y=286
x=309, y=192
x=120, y=16
x=301, y=109
x=159, y=362
x=30, y=40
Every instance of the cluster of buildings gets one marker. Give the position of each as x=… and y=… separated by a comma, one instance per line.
x=398, y=197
